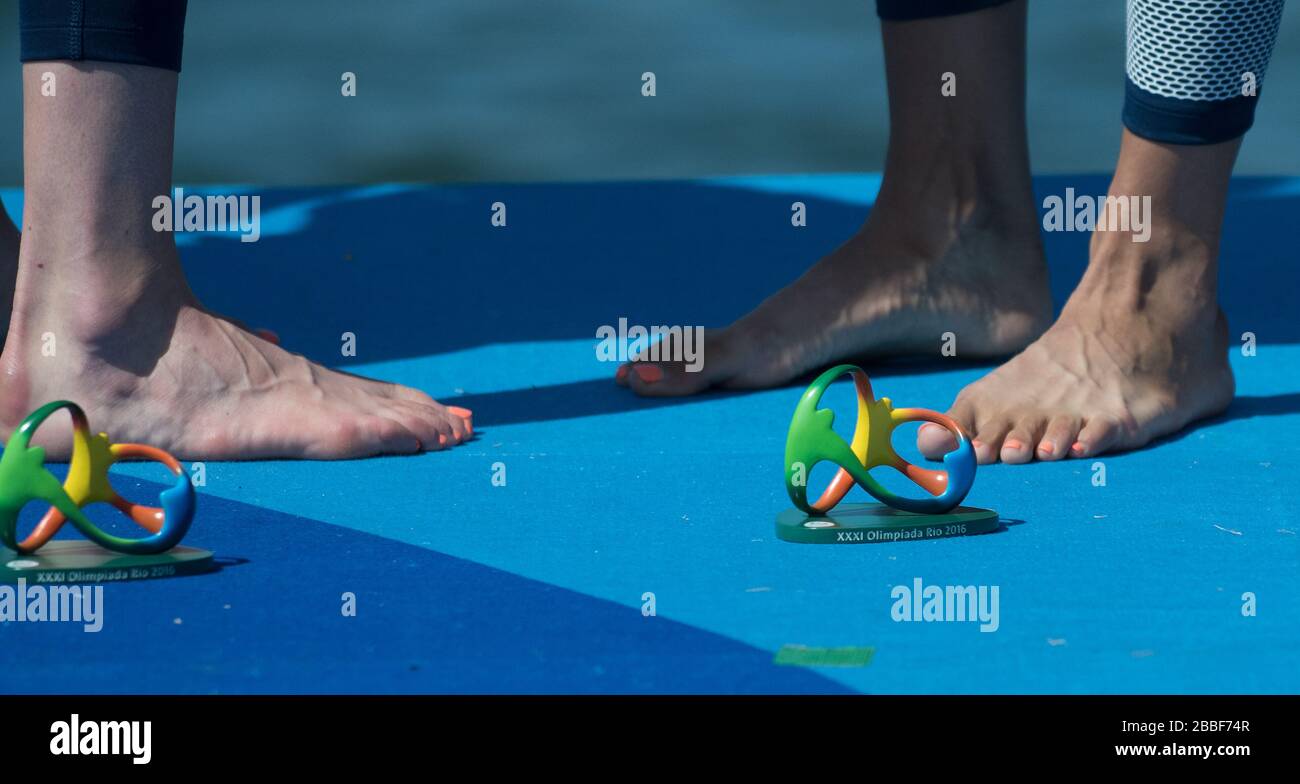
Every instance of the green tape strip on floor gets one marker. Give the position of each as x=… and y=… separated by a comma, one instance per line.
x=804, y=656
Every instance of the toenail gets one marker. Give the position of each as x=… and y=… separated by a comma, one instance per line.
x=1047, y=448
x=649, y=374
x=975, y=442
x=621, y=374
x=930, y=426
x=442, y=440
x=1079, y=448
x=463, y=413
x=1013, y=444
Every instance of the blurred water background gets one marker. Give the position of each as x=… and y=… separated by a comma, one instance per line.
x=519, y=90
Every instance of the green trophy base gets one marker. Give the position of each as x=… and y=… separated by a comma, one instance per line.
x=66, y=561
x=874, y=523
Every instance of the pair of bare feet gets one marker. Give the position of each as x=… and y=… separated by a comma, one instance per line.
x=1139, y=351
x=952, y=244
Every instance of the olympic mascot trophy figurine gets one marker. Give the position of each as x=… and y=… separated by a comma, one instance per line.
x=812, y=440
x=106, y=556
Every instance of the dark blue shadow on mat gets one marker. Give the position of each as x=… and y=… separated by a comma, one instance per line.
x=271, y=622
x=575, y=399
x=416, y=271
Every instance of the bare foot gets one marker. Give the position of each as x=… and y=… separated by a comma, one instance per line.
x=150, y=365
x=1139, y=351
x=103, y=316
x=951, y=245
x=907, y=277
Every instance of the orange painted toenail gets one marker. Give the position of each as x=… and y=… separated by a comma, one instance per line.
x=1013, y=444
x=1078, y=448
x=975, y=442
x=621, y=374
x=463, y=413
x=442, y=440
x=1047, y=448
x=649, y=374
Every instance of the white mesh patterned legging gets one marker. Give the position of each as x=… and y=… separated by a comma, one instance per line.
x=1195, y=67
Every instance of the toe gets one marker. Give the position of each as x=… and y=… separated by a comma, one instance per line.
x=664, y=379
x=442, y=437
x=425, y=422
x=620, y=375
x=466, y=416
x=434, y=423
x=935, y=441
x=985, y=453
x=643, y=377
x=1015, y=449
x=458, y=430
x=1062, y=431
x=1018, y=445
x=987, y=440
x=1097, y=436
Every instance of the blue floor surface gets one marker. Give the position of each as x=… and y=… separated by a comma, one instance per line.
x=537, y=586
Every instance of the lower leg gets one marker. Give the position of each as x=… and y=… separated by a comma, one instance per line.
x=951, y=243
x=8, y=239
x=8, y=269
x=1140, y=349
x=103, y=314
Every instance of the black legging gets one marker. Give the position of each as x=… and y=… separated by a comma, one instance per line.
x=139, y=32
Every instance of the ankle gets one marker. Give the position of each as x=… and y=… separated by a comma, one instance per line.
x=942, y=198
x=1171, y=279
x=957, y=234
x=98, y=297
x=64, y=228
